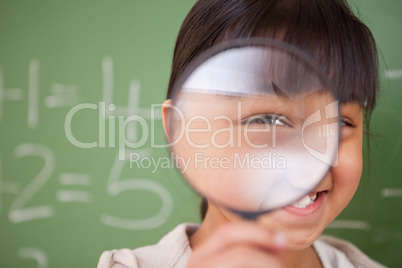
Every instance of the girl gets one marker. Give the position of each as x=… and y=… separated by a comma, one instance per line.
x=344, y=47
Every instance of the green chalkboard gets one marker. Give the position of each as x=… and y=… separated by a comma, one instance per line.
x=71, y=72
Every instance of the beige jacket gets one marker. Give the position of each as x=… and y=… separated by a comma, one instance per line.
x=173, y=251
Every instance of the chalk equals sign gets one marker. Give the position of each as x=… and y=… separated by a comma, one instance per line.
x=74, y=179
x=393, y=74
x=391, y=192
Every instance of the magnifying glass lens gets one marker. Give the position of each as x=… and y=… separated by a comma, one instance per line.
x=253, y=126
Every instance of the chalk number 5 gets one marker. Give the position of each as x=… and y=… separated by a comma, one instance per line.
x=116, y=186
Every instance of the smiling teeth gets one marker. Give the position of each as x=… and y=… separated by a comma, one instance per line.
x=305, y=201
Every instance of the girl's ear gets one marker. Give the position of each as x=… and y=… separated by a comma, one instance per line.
x=166, y=117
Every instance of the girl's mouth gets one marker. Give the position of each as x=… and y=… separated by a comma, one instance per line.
x=305, y=201
x=307, y=205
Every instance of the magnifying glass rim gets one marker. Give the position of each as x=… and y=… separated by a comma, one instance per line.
x=251, y=42
x=243, y=43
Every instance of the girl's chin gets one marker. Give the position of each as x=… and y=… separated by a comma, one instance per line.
x=300, y=226
x=299, y=245
x=297, y=239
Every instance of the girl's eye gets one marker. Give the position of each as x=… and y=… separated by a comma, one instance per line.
x=268, y=119
x=345, y=122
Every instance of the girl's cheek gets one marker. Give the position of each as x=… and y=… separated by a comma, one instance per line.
x=350, y=165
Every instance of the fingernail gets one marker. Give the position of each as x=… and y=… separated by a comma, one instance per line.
x=280, y=239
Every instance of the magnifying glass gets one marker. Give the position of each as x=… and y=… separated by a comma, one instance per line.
x=253, y=126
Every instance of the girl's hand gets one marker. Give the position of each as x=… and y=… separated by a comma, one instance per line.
x=239, y=245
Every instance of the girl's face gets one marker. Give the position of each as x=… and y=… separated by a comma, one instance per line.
x=254, y=153
x=210, y=151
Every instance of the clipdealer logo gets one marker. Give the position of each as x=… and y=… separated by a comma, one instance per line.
x=148, y=130
x=201, y=161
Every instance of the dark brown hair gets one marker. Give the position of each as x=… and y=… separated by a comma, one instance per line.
x=325, y=29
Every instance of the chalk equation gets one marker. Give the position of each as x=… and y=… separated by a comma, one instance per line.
x=22, y=211
x=61, y=95
x=75, y=186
